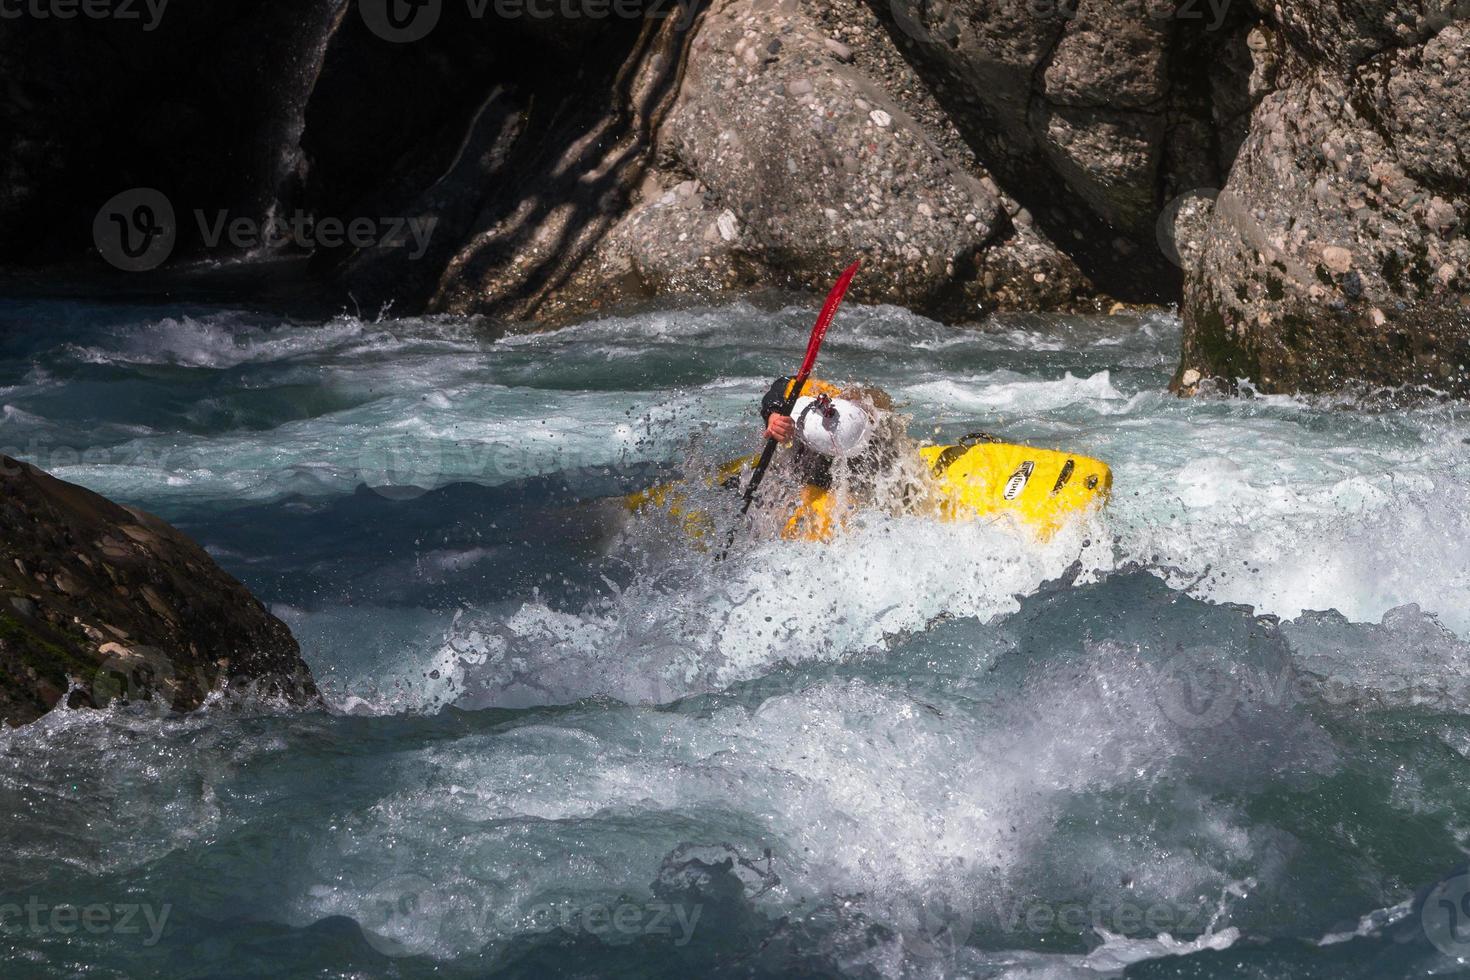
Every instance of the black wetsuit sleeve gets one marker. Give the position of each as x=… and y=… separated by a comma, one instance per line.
x=775, y=398
x=812, y=468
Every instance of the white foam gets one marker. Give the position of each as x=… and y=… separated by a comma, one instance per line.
x=786, y=602
x=1011, y=393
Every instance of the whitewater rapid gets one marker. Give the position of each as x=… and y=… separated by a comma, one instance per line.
x=1220, y=701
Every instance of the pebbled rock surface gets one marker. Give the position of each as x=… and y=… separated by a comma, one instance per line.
x=1337, y=253
x=790, y=150
x=1093, y=114
x=100, y=602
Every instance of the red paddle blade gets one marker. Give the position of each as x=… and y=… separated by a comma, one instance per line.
x=829, y=312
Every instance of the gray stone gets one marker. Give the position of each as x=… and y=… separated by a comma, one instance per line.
x=1334, y=254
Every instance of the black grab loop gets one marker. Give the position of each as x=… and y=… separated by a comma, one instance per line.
x=952, y=455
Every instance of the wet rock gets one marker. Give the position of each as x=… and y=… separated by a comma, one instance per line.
x=71, y=563
x=1094, y=114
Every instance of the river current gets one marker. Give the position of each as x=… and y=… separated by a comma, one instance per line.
x=1221, y=730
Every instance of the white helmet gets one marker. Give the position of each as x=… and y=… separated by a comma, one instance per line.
x=831, y=426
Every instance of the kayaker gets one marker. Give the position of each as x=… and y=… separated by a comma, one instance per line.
x=813, y=467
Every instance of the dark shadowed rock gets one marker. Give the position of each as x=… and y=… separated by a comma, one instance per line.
x=199, y=100
x=108, y=602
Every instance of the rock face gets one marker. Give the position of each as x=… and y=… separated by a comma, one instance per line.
x=107, y=602
x=1092, y=113
x=979, y=154
x=1337, y=252
x=568, y=163
x=789, y=151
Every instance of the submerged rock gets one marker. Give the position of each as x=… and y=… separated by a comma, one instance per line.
x=100, y=602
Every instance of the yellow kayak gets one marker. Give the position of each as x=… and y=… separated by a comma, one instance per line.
x=1042, y=489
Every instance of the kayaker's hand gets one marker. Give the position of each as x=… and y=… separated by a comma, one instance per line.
x=780, y=428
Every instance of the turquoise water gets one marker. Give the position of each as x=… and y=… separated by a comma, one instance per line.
x=1220, y=731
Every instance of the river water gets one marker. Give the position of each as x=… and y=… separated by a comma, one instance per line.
x=1221, y=730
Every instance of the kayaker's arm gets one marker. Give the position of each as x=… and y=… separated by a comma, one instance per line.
x=775, y=398
x=778, y=427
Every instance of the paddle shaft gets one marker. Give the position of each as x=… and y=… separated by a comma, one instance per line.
x=769, y=453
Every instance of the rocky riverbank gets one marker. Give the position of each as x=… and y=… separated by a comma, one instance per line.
x=99, y=602
x=1290, y=173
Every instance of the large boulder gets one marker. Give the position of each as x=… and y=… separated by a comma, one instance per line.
x=100, y=602
x=789, y=151
x=1337, y=252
